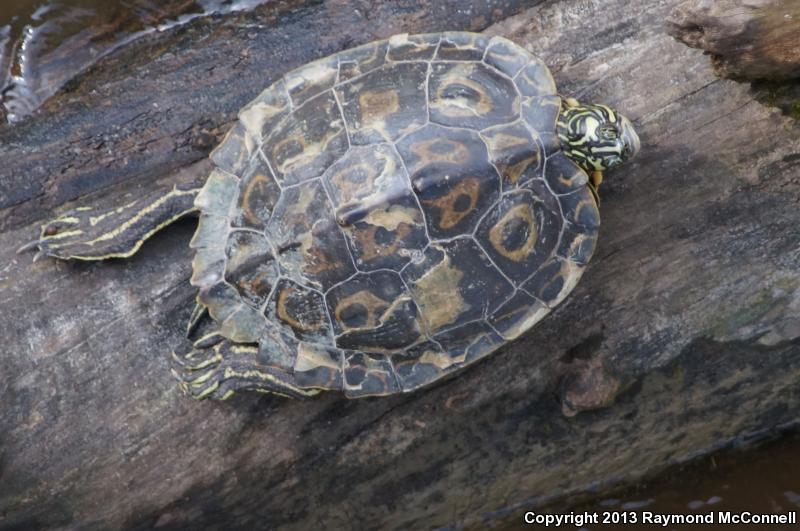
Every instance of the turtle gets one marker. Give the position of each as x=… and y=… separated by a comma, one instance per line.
x=377, y=219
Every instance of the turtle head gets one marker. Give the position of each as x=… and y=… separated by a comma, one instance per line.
x=596, y=137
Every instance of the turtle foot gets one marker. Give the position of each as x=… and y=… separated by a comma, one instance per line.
x=219, y=370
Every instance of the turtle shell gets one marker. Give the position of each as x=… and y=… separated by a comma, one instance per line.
x=382, y=217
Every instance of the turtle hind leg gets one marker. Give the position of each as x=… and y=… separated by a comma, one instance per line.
x=85, y=233
x=215, y=367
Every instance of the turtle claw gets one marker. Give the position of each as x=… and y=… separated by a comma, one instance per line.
x=198, y=373
x=29, y=247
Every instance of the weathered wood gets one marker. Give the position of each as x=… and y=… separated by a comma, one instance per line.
x=747, y=39
x=163, y=101
x=685, y=331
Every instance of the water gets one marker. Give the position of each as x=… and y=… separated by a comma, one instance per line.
x=44, y=43
x=761, y=480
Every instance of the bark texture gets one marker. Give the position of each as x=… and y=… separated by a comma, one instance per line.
x=683, y=336
x=750, y=39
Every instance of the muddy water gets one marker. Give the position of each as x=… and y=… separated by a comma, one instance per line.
x=44, y=43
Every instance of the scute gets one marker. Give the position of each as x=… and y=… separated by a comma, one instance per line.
x=455, y=283
x=376, y=208
x=301, y=311
x=520, y=233
x=471, y=95
x=258, y=194
x=311, y=139
x=405, y=47
x=516, y=152
x=461, y=46
x=384, y=104
x=312, y=79
x=452, y=176
x=311, y=249
x=506, y=56
x=382, y=217
x=373, y=312
x=358, y=61
x=517, y=315
x=250, y=266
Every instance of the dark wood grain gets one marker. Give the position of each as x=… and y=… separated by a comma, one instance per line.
x=683, y=336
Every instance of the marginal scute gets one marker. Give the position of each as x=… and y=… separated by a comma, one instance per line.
x=318, y=366
x=516, y=152
x=421, y=364
x=577, y=244
x=540, y=114
x=471, y=95
x=261, y=115
x=385, y=103
x=367, y=374
x=359, y=61
x=580, y=209
x=552, y=282
x=452, y=176
x=506, y=56
x=405, y=47
x=461, y=46
x=520, y=233
x=469, y=342
x=302, y=148
x=301, y=311
x=235, y=151
x=218, y=195
x=517, y=315
x=564, y=176
x=243, y=325
x=535, y=80
x=208, y=267
x=221, y=299
x=212, y=232
x=547, y=281
x=309, y=80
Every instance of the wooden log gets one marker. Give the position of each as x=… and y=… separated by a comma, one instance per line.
x=753, y=39
x=683, y=336
x=163, y=102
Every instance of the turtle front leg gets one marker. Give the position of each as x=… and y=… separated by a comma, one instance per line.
x=217, y=368
x=86, y=233
x=594, y=186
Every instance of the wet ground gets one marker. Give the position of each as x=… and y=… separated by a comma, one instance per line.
x=43, y=43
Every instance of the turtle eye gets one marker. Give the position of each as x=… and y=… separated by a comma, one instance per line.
x=609, y=132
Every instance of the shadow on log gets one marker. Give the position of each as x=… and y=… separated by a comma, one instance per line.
x=691, y=306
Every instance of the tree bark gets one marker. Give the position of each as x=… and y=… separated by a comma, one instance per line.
x=753, y=39
x=683, y=337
